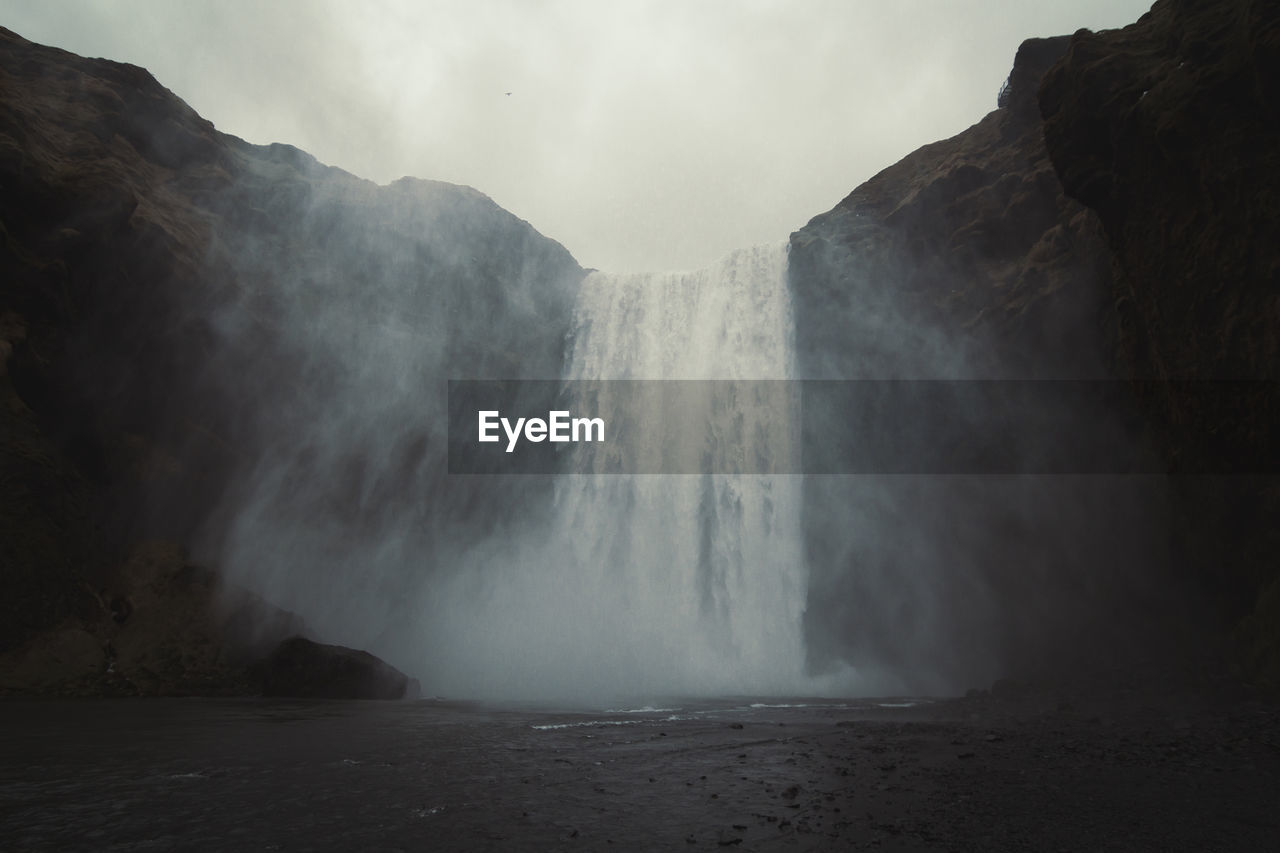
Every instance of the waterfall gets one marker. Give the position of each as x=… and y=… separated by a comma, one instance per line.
x=706, y=571
x=657, y=585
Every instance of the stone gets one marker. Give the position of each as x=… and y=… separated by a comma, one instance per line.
x=306, y=669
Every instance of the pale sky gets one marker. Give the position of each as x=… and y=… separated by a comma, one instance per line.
x=641, y=135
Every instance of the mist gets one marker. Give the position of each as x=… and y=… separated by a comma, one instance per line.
x=594, y=587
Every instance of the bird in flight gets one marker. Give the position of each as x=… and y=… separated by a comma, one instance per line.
x=508, y=93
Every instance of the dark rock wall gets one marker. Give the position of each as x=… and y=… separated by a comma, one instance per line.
x=1170, y=130
x=154, y=274
x=1115, y=218
x=966, y=260
x=963, y=259
x=299, y=667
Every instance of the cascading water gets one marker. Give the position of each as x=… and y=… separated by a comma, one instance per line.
x=651, y=585
x=709, y=567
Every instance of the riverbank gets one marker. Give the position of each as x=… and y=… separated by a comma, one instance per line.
x=1021, y=769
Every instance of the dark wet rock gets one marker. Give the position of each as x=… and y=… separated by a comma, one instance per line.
x=127, y=223
x=303, y=668
x=1169, y=130
x=971, y=239
x=1115, y=221
x=66, y=655
x=185, y=633
x=964, y=260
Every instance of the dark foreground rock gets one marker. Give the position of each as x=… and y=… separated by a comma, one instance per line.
x=302, y=668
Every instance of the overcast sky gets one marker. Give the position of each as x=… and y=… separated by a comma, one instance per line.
x=641, y=135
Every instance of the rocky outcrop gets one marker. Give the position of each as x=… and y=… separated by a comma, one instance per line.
x=161, y=626
x=965, y=260
x=1113, y=219
x=167, y=627
x=1169, y=129
x=304, y=669
x=154, y=276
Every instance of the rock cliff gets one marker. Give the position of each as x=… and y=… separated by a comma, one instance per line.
x=1112, y=219
x=154, y=273
x=967, y=261
x=964, y=259
x=1169, y=129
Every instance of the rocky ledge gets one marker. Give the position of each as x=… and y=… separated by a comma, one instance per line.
x=163, y=626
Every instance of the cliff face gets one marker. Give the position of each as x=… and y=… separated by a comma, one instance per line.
x=1167, y=129
x=963, y=259
x=1116, y=220
x=966, y=260
x=1170, y=130
x=177, y=306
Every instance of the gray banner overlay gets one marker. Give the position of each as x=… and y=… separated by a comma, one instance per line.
x=996, y=427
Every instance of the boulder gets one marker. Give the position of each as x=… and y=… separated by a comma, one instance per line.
x=302, y=668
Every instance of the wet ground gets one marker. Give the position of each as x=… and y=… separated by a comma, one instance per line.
x=1032, y=773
